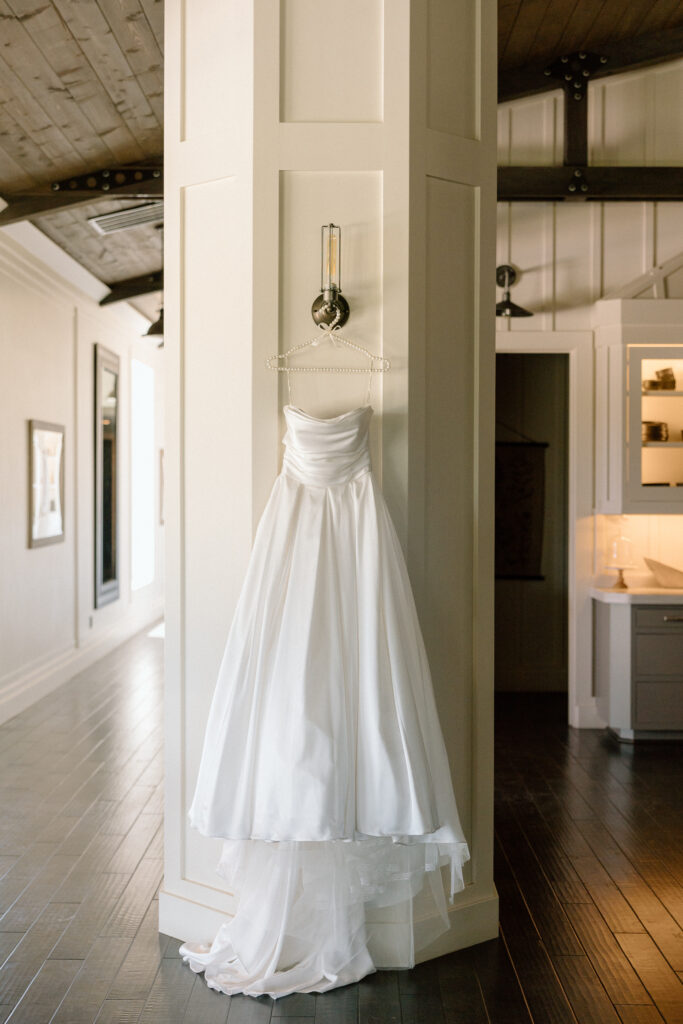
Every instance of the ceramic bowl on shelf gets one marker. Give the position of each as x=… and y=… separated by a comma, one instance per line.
x=665, y=575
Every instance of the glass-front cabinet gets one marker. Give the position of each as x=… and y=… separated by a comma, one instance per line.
x=655, y=401
x=639, y=405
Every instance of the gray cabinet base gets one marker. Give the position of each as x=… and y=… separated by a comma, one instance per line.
x=631, y=735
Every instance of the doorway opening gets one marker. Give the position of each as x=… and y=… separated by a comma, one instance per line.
x=532, y=525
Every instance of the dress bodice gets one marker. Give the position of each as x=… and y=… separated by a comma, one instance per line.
x=326, y=452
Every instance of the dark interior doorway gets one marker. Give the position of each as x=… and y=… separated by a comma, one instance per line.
x=531, y=635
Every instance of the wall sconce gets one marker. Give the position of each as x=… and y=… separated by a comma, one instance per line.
x=156, y=330
x=506, y=276
x=330, y=308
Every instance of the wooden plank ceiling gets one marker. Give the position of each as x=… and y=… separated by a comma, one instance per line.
x=81, y=89
x=111, y=258
x=536, y=32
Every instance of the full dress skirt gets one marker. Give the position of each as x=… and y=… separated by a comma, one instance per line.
x=324, y=767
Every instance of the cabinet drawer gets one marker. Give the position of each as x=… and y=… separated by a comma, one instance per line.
x=658, y=706
x=658, y=654
x=659, y=617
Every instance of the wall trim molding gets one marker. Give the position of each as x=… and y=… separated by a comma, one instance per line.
x=23, y=265
x=578, y=347
x=43, y=249
x=391, y=943
x=21, y=689
x=472, y=920
x=25, y=272
x=587, y=716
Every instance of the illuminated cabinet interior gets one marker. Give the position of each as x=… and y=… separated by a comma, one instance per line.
x=639, y=406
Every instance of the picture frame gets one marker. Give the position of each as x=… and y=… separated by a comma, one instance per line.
x=46, y=483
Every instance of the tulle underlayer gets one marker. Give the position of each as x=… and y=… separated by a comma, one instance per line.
x=301, y=923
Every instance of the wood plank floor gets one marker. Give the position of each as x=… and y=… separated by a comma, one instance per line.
x=589, y=867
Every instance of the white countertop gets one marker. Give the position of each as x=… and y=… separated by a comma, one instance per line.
x=638, y=595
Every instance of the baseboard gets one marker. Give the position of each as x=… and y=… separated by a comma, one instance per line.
x=586, y=715
x=392, y=941
x=20, y=690
x=633, y=735
x=187, y=920
x=471, y=922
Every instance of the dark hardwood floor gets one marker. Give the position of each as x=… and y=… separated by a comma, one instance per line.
x=589, y=867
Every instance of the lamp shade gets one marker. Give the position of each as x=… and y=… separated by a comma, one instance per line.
x=507, y=308
x=157, y=328
x=506, y=275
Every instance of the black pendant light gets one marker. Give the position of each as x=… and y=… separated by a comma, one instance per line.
x=156, y=330
x=506, y=276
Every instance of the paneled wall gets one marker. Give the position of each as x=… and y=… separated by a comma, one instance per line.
x=49, y=627
x=572, y=253
x=268, y=136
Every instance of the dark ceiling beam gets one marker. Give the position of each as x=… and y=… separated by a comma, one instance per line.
x=604, y=184
x=622, y=55
x=133, y=286
x=109, y=179
x=27, y=205
x=574, y=72
x=575, y=179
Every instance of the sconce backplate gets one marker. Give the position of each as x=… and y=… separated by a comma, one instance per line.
x=335, y=310
x=505, y=275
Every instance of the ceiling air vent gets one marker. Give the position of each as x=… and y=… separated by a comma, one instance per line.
x=133, y=217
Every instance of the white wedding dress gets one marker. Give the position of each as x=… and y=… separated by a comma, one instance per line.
x=324, y=767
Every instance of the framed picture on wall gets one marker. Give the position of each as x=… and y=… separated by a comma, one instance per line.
x=46, y=483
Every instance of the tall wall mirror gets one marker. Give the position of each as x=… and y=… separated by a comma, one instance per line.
x=106, y=476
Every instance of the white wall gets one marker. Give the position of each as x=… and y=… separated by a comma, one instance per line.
x=572, y=253
x=49, y=628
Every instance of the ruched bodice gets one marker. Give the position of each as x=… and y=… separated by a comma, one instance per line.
x=326, y=452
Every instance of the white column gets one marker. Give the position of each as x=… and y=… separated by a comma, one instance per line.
x=282, y=116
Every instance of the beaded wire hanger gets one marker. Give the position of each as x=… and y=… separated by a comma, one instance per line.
x=377, y=364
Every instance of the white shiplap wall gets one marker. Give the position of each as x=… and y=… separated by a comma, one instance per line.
x=572, y=253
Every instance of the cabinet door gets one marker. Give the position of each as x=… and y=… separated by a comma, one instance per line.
x=658, y=655
x=654, y=442
x=658, y=706
x=657, y=667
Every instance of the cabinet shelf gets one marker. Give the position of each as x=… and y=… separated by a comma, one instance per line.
x=633, y=344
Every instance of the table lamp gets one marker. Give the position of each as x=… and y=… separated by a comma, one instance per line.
x=619, y=557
